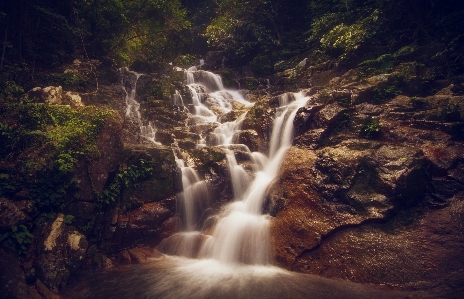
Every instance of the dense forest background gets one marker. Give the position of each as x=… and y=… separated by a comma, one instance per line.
x=43, y=34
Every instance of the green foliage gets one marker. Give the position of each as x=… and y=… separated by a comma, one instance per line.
x=127, y=176
x=383, y=62
x=246, y=29
x=68, y=219
x=262, y=65
x=185, y=60
x=350, y=37
x=371, y=128
x=45, y=142
x=387, y=90
x=10, y=91
x=18, y=237
x=251, y=83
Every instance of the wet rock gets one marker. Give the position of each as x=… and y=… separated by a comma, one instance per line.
x=183, y=244
x=141, y=227
x=417, y=252
x=161, y=183
x=318, y=192
x=169, y=227
x=313, y=123
x=321, y=78
x=249, y=138
x=164, y=137
x=60, y=253
x=94, y=176
x=260, y=119
x=187, y=144
x=96, y=259
x=151, y=215
x=142, y=255
x=12, y=279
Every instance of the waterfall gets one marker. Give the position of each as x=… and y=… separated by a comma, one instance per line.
x=241, y=233
x=230, y=256
x=148, y=131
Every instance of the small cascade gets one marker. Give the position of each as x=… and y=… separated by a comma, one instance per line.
x=177, y=99
x=148, y=131
x=242, y=234
x=132, y=106
x=191, y=204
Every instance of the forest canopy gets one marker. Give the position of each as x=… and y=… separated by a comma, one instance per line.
x=45, y=33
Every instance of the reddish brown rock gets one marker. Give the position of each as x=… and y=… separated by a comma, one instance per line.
x=149, y=215
x=423, y=254
x=143, y=255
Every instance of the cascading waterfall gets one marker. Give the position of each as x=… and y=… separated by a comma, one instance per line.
x=241, y=235
x=230, y=259
x=147, y=131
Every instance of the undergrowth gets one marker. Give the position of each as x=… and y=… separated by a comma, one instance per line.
x=41, y=145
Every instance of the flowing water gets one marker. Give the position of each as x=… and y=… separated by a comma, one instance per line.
x=129, y=85
x=231, y=260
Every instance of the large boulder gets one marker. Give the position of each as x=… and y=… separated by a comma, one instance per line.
x=319, y=192
x=60, y=252
x=144, y=226
x=52, y=95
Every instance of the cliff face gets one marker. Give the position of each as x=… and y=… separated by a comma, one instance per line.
x=373, y=178
x=370, y=184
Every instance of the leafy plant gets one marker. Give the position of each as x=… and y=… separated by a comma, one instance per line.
x=68, y=219
x=371, y=128
x=45, y=142
x=350, y=37
x=18, y=237
x=186, y=60
x=128, y=176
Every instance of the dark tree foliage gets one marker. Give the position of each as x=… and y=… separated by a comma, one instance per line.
x=45, y=33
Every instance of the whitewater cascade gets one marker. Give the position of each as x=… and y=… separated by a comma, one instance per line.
x=241, y=234
x=147, y=131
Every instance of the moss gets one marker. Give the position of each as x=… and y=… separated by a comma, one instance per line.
x=45, y=142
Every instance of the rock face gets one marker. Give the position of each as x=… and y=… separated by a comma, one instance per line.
x=161, y=183
x=372, y=189
x=139, y=219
